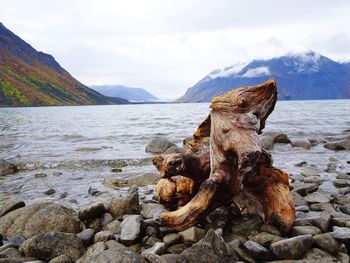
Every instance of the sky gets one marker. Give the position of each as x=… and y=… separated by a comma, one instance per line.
x=166, y=46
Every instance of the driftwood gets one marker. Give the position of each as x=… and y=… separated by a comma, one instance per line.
x=225, y=163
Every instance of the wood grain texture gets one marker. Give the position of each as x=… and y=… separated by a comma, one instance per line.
x=225, y=163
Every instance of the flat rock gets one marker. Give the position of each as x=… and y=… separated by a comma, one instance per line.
x=305, y=230
x=306, y=188
x=292, y=248
x=91, y=211
x=48, y=245
x=317, y=197
x=113, y=226
x=298, y=199
x=301, y=144
x=103, y=236
x=86, y=236
x=178, y=248
x=171, y=239
x=341, y=233
x=265, y=239
x=192, y=235
x=152, y=209
x=258, y=252
x=338, y=145
x=37, y=218
x=61, y=259
x=10, y=205
x=313, y=180
x=115, y=255
x=321, y=220
x=318, y=255
x=341, y=183
x=310, y=171
x=158, y=145
x=298, y=162
x=130, y=229
x=7, y=168
x=327, y=242
x=125, y=205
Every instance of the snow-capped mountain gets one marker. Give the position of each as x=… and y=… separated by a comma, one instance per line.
x=302, y=75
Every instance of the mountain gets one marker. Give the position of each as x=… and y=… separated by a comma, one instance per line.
x=128, y=93
x=32, y=78
x=303, y=75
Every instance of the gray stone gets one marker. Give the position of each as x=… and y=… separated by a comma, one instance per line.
x=292, y=248
x=313, y=180
x=258, y=252
x=125, y=205
x=152, y=240
x=158, y=145
x=309, y=171
x=171, y=239
x=281, y=138
x=343, y=257
x=113, y=226
x=327, y=242
x=302, y=208
x=7, y=168
x=267, y=141
x=106, y=218
x=298, y=199
x=91, y=211
x=115, y=255
x=113, y=244
x=131, y=229
x=152, y=210
x=343, y=176
x=95, y=224
x=265, y=239
x=48, y=245
x=317, y=197
x=340, y=183
x=298, y=162
x=152, y=231
x=17, y=241
x=9, y=206
x=86, y=236
x=306, y=188
x=37, y=218
x=305, y=230
x=178, y=248
x=320, y=220
x=341, y=233
x=192, y=235
x=103, y=236
x=338, y=145
x=40, y=175
x=50, y=191
x=158, y=249
x=61, y=259
x=11, y=252
x=301, y=144
x=247, y=226
x=174, y=149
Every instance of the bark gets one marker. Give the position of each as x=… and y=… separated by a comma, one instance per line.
x=225, y=163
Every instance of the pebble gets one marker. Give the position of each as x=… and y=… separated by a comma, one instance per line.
x=327, y=242
x=91, y=211
x=305, y=230
x=158, y=249
x=130, y=229
x=192, y=234
x=258, y=252
x=50, y=191
x=292, y=248
x=86, y=236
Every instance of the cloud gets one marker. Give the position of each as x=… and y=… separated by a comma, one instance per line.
x=166, y=46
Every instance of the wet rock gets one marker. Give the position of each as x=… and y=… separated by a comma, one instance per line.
x=309, y=171
x=320, y=220
x=50, y=191
x=116, y=170
x=258, y=252
x=327, y=242
x=313, y=180
x=292, y=248
x=331, y=168
x=103, y=236
x=305, y=230
x=341, y=233
x=152, y=209
x=115, y=255
x=93, y=191
x=265, y=239
x=192, y=235
x=158, y=145
x=318, y=255
x=306, y=188
x=133, y=188
x=343, y=176
x=48, y=245
x=131, y=229
x=281, y=138
x=61, y=259
x=322, y=207
x=317, y=197
x=298, y=199
x=10, y=205
x=7, y=168
x=171, y=239
x=113, y=226
x=40, y=175
x=340, y=183
x=302, y=208
x=174, y=149
x=338, y=145
x=267, y=141
x=301, y=144
x=106, y=218
x=158, y=249
x=125, y=205
x=37, y=218
x=91, y=211
x=86, y=236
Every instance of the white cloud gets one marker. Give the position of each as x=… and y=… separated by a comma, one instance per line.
x=166, y=46
x=257, y=72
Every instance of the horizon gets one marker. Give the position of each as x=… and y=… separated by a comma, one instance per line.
x=166, y=49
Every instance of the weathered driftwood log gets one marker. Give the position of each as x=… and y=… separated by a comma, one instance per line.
x=232, y=168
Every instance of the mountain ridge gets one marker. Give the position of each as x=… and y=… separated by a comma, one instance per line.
x=33, y=78
x=299, y=75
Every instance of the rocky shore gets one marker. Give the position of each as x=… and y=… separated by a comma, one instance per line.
x=125, y=228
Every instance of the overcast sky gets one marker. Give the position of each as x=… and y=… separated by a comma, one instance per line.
x=166, y=46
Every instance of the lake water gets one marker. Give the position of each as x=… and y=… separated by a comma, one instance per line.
x=84, y=142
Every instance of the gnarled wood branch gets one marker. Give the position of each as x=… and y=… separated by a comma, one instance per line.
x=232, y=167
